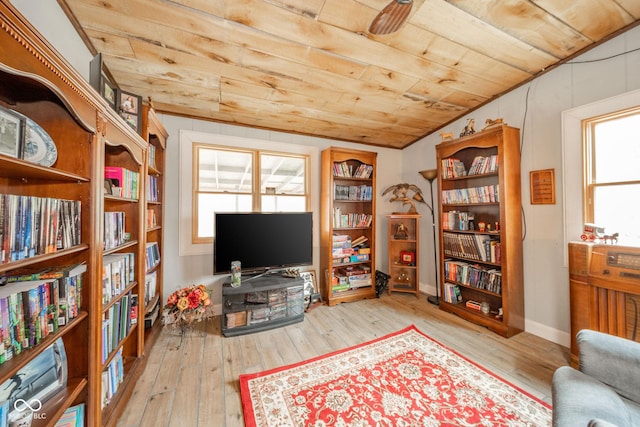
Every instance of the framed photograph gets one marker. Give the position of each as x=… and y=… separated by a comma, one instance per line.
x=11, y=133
x=311, y=292
x=99, y=81
x=542, y=187
x=129, y=108
x=108, y=92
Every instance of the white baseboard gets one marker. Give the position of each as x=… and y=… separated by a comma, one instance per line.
x=551, y=334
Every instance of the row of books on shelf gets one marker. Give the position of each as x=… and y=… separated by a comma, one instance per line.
x=31, y=226
x=32, y=309
x=112, y=377
x=117, y=322
x=345, y=170
x=473, y=275
x=452, y=168
x=351, y=219
x=451, y=293
x=152, y=255
x=72, y=417
x=118, y=272
x=483, y=194
x=350, y=277
x=22, y=396
x=152, y=156
x=484, y=164
x=150, y=285
x=152, y=219
x=455, y=168
x=353, y=192
x=153, y=192
x=456, y=220
x=114, y=230
x=345, y=250
x=125, y=183
x=478, y=247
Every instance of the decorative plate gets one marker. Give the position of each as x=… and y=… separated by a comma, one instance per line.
x=38, y=146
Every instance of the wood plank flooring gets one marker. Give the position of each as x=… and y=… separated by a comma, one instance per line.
x=193, y=380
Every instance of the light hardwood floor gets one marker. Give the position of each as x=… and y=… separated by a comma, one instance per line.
x=194, y=381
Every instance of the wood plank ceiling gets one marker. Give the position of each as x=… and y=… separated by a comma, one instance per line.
x=311, y=66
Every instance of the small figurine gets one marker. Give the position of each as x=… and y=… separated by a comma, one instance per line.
x=400, y=195
x=401, y=232
x=446, y=136
x=488, y=123
x=468, y=129
x=481, y=226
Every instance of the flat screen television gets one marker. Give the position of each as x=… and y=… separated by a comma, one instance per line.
x=262, y=241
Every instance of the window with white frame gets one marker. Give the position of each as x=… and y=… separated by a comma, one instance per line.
x=227, y=179
x=612, y=175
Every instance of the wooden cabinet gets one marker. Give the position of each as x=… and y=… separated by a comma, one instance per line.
x=156, y=135
x=88, y=135
x=347, y=221
x=480, y=229
x=262, y=303
x=404, y=253
x=604, y=287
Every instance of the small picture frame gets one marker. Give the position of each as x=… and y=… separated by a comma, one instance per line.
x=311, y=293
x=11, y=133
x=100, y=82
x=129, y=106
x=108, y=92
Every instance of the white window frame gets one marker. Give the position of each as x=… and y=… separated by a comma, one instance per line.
x=573, y=165
x=188, y=138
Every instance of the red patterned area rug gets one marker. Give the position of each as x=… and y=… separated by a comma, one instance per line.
x=403, y=379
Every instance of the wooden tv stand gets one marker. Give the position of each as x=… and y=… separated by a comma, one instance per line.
x=261, y=304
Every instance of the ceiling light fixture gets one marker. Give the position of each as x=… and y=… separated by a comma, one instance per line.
x=391, y=18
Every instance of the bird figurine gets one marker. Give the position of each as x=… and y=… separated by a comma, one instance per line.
x=401, y=194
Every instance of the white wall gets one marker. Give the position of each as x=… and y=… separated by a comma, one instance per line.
x=184, y=270
x=535, y=108
x=52, y=23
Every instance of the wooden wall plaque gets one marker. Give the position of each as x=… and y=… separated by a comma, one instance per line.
x=543, y=187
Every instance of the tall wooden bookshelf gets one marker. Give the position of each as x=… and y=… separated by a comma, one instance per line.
x=347, y=214
x=123, y=149
x=481, y=229
x=156, y=135
x=88, y=135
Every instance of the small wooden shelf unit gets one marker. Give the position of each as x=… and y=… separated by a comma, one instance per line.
x=404, y=253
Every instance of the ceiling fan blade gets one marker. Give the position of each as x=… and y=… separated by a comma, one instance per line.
x=391, y=18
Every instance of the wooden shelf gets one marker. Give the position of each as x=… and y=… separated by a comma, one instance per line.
x=460, y=244
x=331, y=269
x=405, y=274
x=88, y=134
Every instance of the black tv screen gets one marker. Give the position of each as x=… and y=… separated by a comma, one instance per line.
x=262, y=241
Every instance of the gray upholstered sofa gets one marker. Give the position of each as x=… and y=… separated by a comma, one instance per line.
x=606, y=389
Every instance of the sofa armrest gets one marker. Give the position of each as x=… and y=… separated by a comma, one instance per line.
x=612, y=360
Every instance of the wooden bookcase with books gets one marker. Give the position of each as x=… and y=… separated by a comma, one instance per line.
x=123, y=266
x=47, y=217
x=54, y=214
x=156, y=135
x=480, y=229
x=347, y=218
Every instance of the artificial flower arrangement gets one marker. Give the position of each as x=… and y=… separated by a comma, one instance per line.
x=188, y=305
